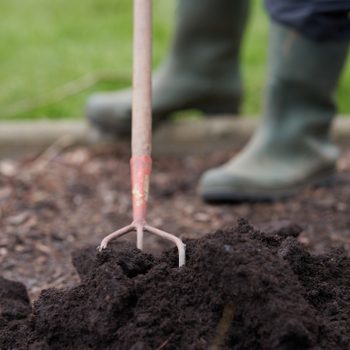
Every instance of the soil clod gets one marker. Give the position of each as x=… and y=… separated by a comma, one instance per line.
x=14, y=301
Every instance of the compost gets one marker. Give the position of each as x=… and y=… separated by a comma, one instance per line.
x=240, y=289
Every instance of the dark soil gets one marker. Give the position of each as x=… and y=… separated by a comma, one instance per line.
x=240, y=289
x=51, y=206
x=14, y=302
x=55, y=203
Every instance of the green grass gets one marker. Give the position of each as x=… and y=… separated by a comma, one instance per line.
x=46, y=44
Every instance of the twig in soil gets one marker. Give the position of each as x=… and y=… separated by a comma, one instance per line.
x=52, y=152
x=337, y=238
x=223, y=327
x=164, y=344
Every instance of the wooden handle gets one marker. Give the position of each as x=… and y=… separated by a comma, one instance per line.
x=142, y=79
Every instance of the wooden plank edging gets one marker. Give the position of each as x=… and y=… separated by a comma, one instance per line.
x=181, y=137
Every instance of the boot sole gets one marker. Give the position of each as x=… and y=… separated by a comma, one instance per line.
x=210, y=109
x=222, y=196
x=217, y=107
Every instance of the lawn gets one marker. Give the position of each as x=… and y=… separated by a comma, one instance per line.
x=55, y=53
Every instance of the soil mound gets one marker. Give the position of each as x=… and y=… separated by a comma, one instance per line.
x=240, y=289
x=14, y=302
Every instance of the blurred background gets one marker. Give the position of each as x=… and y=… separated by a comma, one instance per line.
x=55, y=53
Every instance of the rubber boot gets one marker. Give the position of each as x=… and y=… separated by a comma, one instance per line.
x=292, y=146
x=201, y=71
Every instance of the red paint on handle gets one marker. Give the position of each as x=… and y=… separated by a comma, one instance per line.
x=141, y=167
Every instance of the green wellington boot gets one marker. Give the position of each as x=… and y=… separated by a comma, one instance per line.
x=292, y=146
x=201, y=71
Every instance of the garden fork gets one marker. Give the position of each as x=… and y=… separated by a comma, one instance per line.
x=141, y=161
